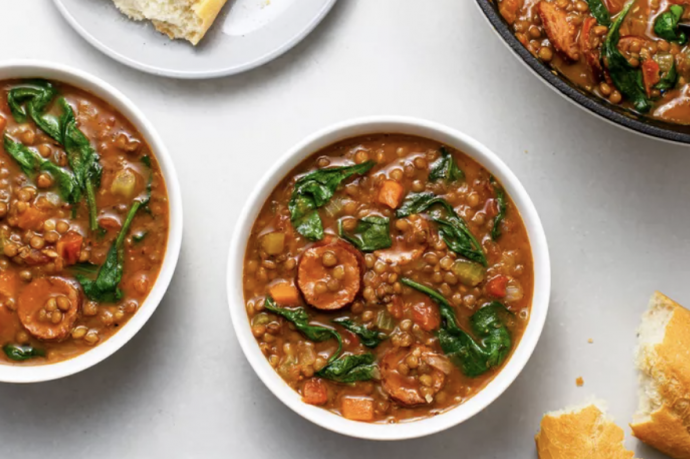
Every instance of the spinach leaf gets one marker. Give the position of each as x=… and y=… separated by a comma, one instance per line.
x=472, y=357
x=625, y=77
x=370, y=338
x=502, y=207
x=600, y=12
x=313, y=191
x=666, y=25
x=32, y=99
x=445, y=168
x=106, y=287
x=19, y=353
x=31, y=162
x=350, y=368
x=82, y=158
x=452, y=228
x=668, y=80
x=300, y=318
x=372, y=233
x=345, y=369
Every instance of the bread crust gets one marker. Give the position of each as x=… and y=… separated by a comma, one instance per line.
x=207, y=12
x=583, y=434
x=668, y=365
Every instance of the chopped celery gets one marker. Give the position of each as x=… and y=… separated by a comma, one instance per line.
x=469, y=273
x=385, y=321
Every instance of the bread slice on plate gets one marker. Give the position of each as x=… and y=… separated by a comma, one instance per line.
x=663, y=358
x=584, y=432
x=187, y=19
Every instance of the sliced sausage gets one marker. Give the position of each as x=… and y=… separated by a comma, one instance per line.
x=420, y=384
x=410, y=245
x=317, y=279
x=46, y=300
x=560, y=32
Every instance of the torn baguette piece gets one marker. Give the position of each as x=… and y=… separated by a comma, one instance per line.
x=584, y=432
x=186, y=19
x=663, y=358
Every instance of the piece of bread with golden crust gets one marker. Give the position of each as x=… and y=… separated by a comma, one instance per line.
x=663, y=358
x=581, y=433
x=187, y=19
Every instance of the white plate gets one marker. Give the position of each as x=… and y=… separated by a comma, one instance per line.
x=246, y=34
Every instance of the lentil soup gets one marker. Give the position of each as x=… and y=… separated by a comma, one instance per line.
x=388, y=278
x=83, y=221
x=633, y=53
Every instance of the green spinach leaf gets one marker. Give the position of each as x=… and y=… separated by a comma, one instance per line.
x=445, y=168
x=300, y=318
x=668, y=80
x=350, y=368
x=626, y=78
x=106, y=287
x=369, y=338
x=502, y=207
x=313, y=191
x=472, y=357
x=31, y=162
x=666, y=25
x=600, y=12
x=19, y=353
x=372, y=233
x=31, y=99
x=452, y=228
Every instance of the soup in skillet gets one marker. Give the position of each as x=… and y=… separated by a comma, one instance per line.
x=83, y=221
x=632, y=53
x=388, y=278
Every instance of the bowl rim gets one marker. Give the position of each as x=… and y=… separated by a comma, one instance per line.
x=630, y=121
x=402, y=125
x=85, y=81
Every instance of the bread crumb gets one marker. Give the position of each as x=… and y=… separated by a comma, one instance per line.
x=580, y=382
x=590, y=341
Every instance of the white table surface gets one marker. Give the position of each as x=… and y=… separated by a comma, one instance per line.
x=614, y=206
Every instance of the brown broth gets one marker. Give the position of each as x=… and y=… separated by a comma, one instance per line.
x=28, y=286
x=417, y=253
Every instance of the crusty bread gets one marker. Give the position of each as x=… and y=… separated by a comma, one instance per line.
x=188, y=19
x=663, y=358
x=581, y=433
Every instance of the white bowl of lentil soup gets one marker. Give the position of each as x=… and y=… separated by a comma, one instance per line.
x=388, y=278
x=91, y=221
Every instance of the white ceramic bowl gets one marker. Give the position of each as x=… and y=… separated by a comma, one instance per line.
x=542, y=277
x=82, y=80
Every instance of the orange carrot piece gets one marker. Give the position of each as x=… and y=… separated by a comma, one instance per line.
x=358, y=409
x=314, y=392
x=31, y=218
x=391, y=194
x=69, y=247
x=650, y=75
x=285, y=294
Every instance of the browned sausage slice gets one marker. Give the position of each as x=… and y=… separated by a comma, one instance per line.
x=560, y=32
x=48, y=307
x=409, y=389
x=317, y=278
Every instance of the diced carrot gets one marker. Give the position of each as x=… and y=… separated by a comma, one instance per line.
x=8, y=283
x=391, y=194
x=509, y=9
x=358, y=408
x=496, y=287
x=69, y=247
x=426, y=316
x=31, y=218
x=650, y=75
x=314, y=392
x=559, y=30
x=285, y=294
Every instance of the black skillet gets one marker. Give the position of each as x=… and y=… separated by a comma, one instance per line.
x=592, y=103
